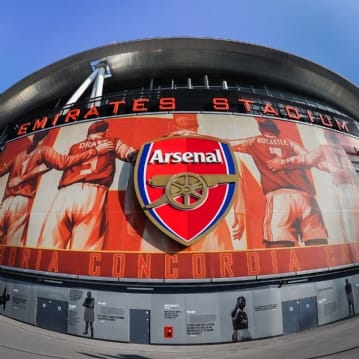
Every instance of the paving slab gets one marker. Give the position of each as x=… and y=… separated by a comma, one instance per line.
x=339, y=340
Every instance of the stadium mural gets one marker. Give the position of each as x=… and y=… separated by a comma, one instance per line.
x=179, y=196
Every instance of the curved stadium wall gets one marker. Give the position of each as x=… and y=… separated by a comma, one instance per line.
x=171, y=177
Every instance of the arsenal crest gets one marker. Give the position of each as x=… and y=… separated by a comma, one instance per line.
x=185, y=185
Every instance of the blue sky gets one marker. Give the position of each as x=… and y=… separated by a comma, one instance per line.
x=36, y=33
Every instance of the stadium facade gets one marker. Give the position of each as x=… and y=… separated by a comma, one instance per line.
x=180, y=191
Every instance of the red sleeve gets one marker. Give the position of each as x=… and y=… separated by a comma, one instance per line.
x=59, y=161
x=4, y=167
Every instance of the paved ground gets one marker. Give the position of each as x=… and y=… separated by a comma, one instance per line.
x=334, y=341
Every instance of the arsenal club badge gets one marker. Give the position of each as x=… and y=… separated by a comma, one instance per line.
x=185, y=185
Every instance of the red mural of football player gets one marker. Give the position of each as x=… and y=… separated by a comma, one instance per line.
x=331, y=157
x=292, y=214
x=24, y=172
x=78, y=217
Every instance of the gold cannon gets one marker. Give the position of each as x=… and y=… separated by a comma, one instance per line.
x=186, y=190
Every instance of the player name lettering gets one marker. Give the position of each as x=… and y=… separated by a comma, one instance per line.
x=90, y=144
x=273, y=141
x=186, y=157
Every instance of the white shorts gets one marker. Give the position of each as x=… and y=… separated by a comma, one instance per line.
x=292, y=216
x=14, y=220
x=77, y=218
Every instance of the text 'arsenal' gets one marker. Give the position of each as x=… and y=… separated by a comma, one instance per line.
x=186, y=157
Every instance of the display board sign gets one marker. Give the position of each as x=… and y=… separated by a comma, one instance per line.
x=195, y=100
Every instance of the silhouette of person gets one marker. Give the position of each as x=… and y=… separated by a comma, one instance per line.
x=240, y=321
x=89, y=313
x=5, y=297
x=349, y=293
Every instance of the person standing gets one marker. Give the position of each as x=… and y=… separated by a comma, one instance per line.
x=349, y=294
x=89, y=313
x=292, y=214
x=78, y=217
x=332, y=158
x=240, y=321
x=4, y=298
x=24, y=174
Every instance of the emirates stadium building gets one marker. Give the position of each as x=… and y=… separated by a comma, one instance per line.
x=214, y=194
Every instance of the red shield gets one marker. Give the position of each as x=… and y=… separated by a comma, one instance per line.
x=185, y=184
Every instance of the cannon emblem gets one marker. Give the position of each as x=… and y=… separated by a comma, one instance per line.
x=186, y=190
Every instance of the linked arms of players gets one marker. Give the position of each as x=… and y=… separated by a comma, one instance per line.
x=301, y=159
x=52, y=159
x=315, y=158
